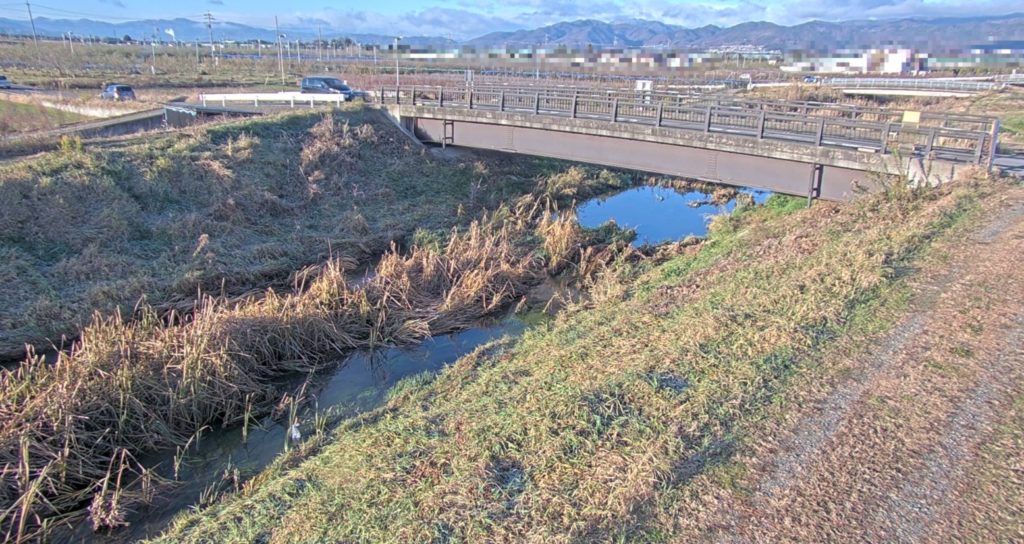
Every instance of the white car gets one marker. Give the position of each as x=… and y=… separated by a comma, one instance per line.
x=5, y=83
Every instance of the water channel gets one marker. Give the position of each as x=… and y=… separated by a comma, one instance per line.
x=362, y=380
x=658, y=214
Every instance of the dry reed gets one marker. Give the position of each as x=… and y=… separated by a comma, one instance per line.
x=132, y=385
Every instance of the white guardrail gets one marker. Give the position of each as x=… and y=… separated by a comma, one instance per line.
x=290, y=98
x=915, y=84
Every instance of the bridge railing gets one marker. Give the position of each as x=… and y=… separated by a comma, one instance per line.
x=912, y=84
x=952, y=137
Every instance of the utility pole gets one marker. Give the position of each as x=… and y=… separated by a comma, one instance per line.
x=209, y=28
x=71, y=42
x=152, y=64
x=280, y=49
x=397, y=38
x=31, y=20
x=319, y=41
x=298, y=50
x=197, y=54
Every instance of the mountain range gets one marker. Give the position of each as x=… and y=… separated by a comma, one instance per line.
x=949, y=32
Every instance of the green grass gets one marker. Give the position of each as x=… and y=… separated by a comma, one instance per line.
x=16, y=117
x=607, y=423
x=224, y=209
x=1013, y=124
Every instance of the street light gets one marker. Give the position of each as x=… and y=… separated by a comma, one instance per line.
x=397, y=39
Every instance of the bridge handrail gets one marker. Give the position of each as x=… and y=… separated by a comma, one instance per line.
x=906, y=83
x=880, y=136
x=984, y=123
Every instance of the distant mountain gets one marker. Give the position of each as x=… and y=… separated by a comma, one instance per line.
x=189, y=30
x=950, y=32
x=817, y=35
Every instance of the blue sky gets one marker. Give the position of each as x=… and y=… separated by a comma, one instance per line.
x=470, y=18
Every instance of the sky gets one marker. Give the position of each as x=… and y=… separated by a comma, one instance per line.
x=461, y=19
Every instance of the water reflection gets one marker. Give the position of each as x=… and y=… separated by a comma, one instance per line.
x=658, y=214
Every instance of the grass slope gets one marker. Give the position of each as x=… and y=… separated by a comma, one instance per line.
x=608, y=422
x=16, y=117
x=229, y=208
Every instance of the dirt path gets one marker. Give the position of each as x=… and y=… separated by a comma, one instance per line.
x=920, y=441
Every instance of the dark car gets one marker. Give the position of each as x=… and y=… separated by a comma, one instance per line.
x=116, y=91
x=330, y=85
x=5, y=83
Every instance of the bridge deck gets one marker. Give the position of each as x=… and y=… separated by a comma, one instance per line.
x=953, y=137
x=721, y=140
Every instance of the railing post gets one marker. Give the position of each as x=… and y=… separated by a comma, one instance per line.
x=440, y=97
x=615, y=110
x=574, y=97
x=536, y=103
x=978, y=153
x=256, y=101
x=412, y=91
x=381, y=95
x=470, y=99
x=993, y=143
x=657, y=122
x=398, y=96
x=501, y=101
x=760, y=125
x=885, y=136
x=707, y=120
x=931, y=142
x=821, y=131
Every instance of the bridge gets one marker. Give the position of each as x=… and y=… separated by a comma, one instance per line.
x=820, y=150
x=938, y=87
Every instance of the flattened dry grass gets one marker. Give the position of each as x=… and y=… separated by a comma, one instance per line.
x=593, y=428
x=224, y=209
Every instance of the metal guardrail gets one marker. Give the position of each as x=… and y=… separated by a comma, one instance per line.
x=1012, y=79
x=912, y=84
x=935, y=135
x=831, y=109
x=257, y=99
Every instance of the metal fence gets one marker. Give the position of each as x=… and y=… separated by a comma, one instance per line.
x=964, y=138
x=913, y=84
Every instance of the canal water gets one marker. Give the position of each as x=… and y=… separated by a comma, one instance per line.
x=358, y=384
x=363, y=380
x=658, y=214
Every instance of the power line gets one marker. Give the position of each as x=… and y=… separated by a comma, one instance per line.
x=100, y=15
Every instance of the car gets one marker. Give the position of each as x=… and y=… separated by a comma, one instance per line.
x=117, y=91
x=329, y=85
x=4, y=82
x=810, y=79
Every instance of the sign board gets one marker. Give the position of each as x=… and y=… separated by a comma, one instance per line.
x=644, y=85
x=911, y=117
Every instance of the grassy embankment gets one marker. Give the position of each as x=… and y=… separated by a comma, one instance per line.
x=616, y=421
x=223, y=209
x=16, y=117
x=128, y=386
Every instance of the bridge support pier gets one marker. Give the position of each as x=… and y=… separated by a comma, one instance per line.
x=814, y=187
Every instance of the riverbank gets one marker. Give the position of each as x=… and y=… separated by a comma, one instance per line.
x=225, y=210
x=625, y=418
